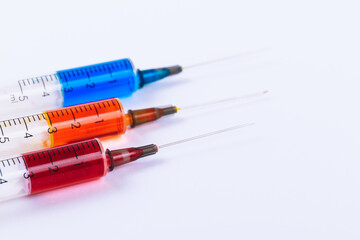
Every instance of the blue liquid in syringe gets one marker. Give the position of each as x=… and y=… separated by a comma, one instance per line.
x=79, y=85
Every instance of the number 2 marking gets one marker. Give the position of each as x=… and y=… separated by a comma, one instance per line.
x=53, y=170
x=90, y=85
x=76, y=125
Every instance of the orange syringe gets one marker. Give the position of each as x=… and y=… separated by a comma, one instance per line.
x=79, y=122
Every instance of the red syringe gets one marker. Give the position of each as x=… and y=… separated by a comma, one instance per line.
x=39, y=171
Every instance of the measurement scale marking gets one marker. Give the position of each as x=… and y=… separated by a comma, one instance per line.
x=49, y=119
x=42, y=80
x=22, y=92
x=27, y=129
x=75, y=152
x=97, y=113
x=107, y=65
x=73, y=114
x=87, y=74
x=50, y=157
x=97, y=145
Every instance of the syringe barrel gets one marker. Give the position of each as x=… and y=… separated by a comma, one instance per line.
x=30, y=95
x=13, y=183
x=66, y=165
x=84, y=121
x=62, y=126
x=57, y=167
x=53, y=168
x=100, y=81
x=69, y=87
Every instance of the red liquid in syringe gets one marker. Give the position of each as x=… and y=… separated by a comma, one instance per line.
x=63, y=166
x=58, y=167
x=66, y=165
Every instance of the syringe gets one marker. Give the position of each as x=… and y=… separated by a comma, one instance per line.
x=84, y=84
x=79, y=85
x=75, y=123
x=39, y=171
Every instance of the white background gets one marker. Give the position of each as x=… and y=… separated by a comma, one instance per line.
x=293, y=175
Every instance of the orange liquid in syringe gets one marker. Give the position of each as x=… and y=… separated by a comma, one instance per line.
x=71, y=124
x=85, y=121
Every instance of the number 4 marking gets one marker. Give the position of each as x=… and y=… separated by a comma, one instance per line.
x=3, y=181
x=45, y=94
x=27, y=135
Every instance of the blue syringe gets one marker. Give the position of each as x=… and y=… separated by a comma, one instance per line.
x=78, y=85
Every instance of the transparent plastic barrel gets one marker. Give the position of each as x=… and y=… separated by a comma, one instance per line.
x=14, y=179
x=24, y=134
x=30, y=95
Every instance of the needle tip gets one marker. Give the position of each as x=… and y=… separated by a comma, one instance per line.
x=207, y=134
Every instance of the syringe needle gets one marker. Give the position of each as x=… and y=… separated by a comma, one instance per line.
x=224, y=100
x=225, y=58
x=140, y=116
x=206, y=135
x=125, y=155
